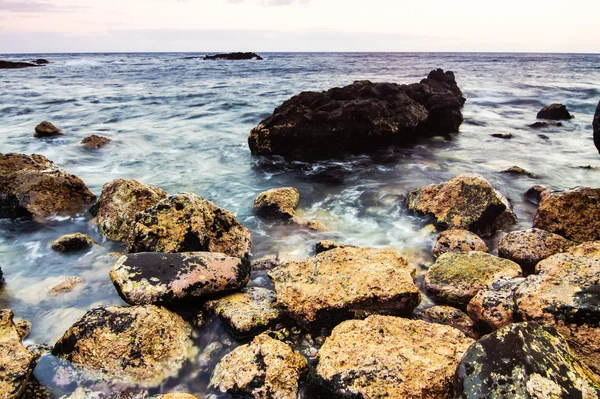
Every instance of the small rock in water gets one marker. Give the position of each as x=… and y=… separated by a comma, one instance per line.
x=47, y=129
x=73, y=242
x=68, y=284
x=543, y=137
x=326, y=245
x=16, y=362
x=265, y=263
x=23, y=327
x=94, y=142
x=534, y=194
x=502, y=135
x=494, y=305
x=541, y=125
x=517, y=170
x=528, y=247
x=234, y=57
x=596, y=127
x=277, y=203
x=458, y=240
x=449, y=316
x=554, y=111
x=41, y=61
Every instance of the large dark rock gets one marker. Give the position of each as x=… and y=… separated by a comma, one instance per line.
x=234, y=57
x=554, y=111
x=596, y=126
x=16, y=362
x=360, y=118
x=15, y=65
x=522, y=361
x=47, y=129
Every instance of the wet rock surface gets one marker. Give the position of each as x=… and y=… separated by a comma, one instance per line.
x=33, y=186
x=15, y=65
x=449, y=316
x=23, y=327
x=536, y=363
x=459, y=241
x=67, y=284
x=47, y=129
x=16, y=362
x=385, y=356
x=494, y=306
x=456, y=278
x=360, y=118
x=345, y=283
x=234, y=57
x=543, y=125
x=72, y=242
x=185, y=223
x=94, y=142
x=528, y=247
x=534, y=193
x=264, y=369
x=326, y=245
x=160, y=278
x=467, y=202
x=517, y=170
x=277, y=203
x=554, y=111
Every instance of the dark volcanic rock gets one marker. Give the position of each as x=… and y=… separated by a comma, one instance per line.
x=554, y=111
x=159, y=278
x=16, y=362
x=234, y=57
x=360, y=118
x=31, y=185
x=596, y=126
x=540, y=125
x=73, y=242
x=15, y=65
x=41, y=61
x=522, y=361
x=502, y=135
x=94, y=142
x=47, y=129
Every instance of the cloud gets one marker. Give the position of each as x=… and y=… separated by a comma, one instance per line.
x=272, y=2
x=33, y=6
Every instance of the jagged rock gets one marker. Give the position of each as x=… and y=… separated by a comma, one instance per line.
x=458, y=240
x=494, y=306
x=33, y=186
x=160, y=278
x=73, y=242
x=360, y=118
x=248, y=312
x=277, y=203
x=65, y=285
x=466, y=201
x=264, y=369
x=16, y=362
x=456, y=278
x=390, y=357
x=94, y=142
x=234, y=57
x=522, y=361
x=596, y=127
x=186, y=223
x=326, y=245
x=528, y=247
x=23, y=327
x=449, y=316
x=534, y=194
x=517, y=170
x=573, y=214
x=47, y=129
x=120, y=201
x=345, y=283
x=15, y=65
x=139, y=344
x=554, y=111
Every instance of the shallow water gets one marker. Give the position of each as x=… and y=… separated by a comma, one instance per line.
x=182, y=124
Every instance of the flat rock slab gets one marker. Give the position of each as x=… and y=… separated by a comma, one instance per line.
x=159, y=278
x=16, y=362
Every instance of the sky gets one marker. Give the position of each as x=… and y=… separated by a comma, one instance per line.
x=46, y=26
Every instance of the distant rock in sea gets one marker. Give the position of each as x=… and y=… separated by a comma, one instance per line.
x=234, y=57
x=15, y=65
x=41, y=61
x=554, y=111
x=596, y=125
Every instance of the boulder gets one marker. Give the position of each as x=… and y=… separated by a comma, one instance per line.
x=449, y=316
x=161, y=278
x=467, y=201
x=345, y=283
x=94, y=142
x=265, y=263
x=15, y=65
x=522, y=361
x=47, y=129
x=528, y=247
x=73, y=242
x=596, y=127
x=494, y=306
x=263, y=369
x=120, y=201
x=573, y=214
x=140, y=345
x=16, y=362
x=359, y=118
x=326, y=245
x=554, y=111
x=33, y=186
x=456, y=278
x=390, y=357
x=277, y=203
x=248, y=312
x=186, y=223
x=459, y=241
x=590, y=249
x=234, y=57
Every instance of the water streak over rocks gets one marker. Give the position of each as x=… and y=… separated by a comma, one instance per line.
x=16, y=362
x=458, y=240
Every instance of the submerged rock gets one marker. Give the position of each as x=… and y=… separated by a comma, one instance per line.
x=528, y=247
x=140, y=344
x=494, y=306
x=391, y=357
x=16, y=362
x=277, y=203
x=234, y=57
x=554, y=111
x=41, y=61
x=517, y=170
x=345, y=283
x=459, y=241
x=160, y=278
x=456, y=278
x=596, y=127
x=186, y=223
x=502, y=135
x=94, y=142
x=522, y=361
x=67, y=284
x=47, y=129
x=326, y=245
x=15, y=65
x=73, y=242
x=466, y=201
x=360, y=118
x=542, y=125
x=263, y=369
x=449, y=316
x=33, y=186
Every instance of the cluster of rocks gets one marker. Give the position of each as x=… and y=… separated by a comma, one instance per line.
x=93, y=142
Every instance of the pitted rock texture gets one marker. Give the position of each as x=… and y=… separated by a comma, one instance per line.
x=143, y=345
x=360, y=118
x=16, y=362
x=94, y=142
x=326, y=245
x=449, y=316
x=590, y=249
x=263, y=369
x=120, y=201
x=494, y=305
x=160, y=278
x=554, y=111
x=458, y=240
x=33, y=186
x=528, y=247
x=186, y=223
x=345, y=283
x=467, y=202
x=277, y=203
x=573, y=214
x=456, y=278
x=67, y=284
x=47, y=129
x=523, y=361
x=73, y=242
x=390, y=357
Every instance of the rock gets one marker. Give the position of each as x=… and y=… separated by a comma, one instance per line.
x=494, y=306
x=41, y=61
x=174, y=396
x=83, y=393
x=47, y=129
x=139, y=344
x=35, y=187
x=596, y=127
x=326, y=245
x=390, y=357
x=522, y=361
x=459, y=241
x=359, y=118
x=590, y=249
x=456, y=278
x=248, y=312
x=449, y=316
x=35, y=390
x=528, y=247
x=94, y=142
x=23, y=327
x=234, y=57
x=265, y=368
x=516, y=170
x=466, y=201
x=502, y=135
x=16, y=362
x=554, y=111
x=542, y=125
x=185, y=223
x=120, y=201
x=543, y=137
x=277, y=203
x=534, y=194
x=15, y=65
x=314, y=225
x=345, y=283
x=161, y=278
x=573, y=214
x=66, y=285
x=73, y=242
x=265, y=263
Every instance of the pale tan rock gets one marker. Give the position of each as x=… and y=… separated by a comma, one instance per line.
x=67, y=284
x=326, y=245
x=458, y=240
x=16, y=362
x=590, y=249
x=23, y=327
x=277, y=203
x=528, y=247
x=449, y=316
